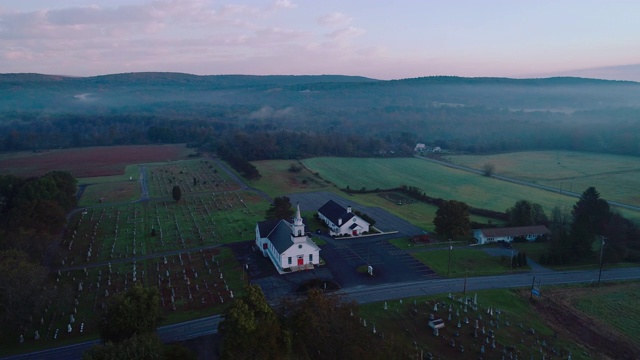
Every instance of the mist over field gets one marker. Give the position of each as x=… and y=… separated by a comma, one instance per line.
x=367, y=117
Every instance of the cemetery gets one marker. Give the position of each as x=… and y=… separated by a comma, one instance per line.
x=193, y=176
x=495, y=324
x=176, y=246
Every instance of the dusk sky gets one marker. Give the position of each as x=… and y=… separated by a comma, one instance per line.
x=373, y=38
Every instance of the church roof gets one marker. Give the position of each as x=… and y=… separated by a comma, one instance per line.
x=278, y=232
x=333, y=211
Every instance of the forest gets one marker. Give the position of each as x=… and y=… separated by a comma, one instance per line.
x=264, y=117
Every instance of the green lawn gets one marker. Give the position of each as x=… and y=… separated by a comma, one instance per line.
x=464, y=262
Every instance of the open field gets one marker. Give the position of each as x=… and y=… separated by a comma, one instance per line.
x=89, y=162
x=278, y=180
x=605, y=318
x=615, y=305
x=511, y=328
x=110, y=193
x=616, y=177
x=437, y=181
x=465, y=262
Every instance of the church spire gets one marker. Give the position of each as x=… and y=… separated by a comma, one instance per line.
x=298, y=219
x=297, y=228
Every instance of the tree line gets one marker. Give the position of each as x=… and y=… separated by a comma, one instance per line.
x=315, y=326
x=573, y=237
x=32, y=217
x=329, y=131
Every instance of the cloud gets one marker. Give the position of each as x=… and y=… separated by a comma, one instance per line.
x=195, y=36
x=335, y=19
x=285, y=4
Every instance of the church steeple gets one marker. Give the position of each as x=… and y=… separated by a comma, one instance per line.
x=297, y=228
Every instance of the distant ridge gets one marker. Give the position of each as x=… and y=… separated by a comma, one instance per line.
x=284, y=80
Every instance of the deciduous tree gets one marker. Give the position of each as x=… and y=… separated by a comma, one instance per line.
x=525, y=213
x=21, y=287
x=452, y=219
x=252, y=330
x=135, y=312
x=280, y=209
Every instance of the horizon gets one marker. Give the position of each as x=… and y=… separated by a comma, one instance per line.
x=319, y=75
x=372, y=39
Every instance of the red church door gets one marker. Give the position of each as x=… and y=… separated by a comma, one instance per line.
x=300, y=260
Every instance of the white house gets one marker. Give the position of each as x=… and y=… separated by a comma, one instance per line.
x=287, y=244
x=420, y=147
x=342, y=221
x=530, y=233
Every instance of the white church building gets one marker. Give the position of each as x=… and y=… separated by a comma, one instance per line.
x=287, y=244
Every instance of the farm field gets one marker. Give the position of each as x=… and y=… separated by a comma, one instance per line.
x=506, y=326
x=436, y=181
x=277, y=181
x=604, y=317
x=89, y=162
x=616, y=177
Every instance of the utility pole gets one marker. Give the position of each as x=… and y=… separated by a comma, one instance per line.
x=449, y=264
x=601, y=251
x=464, y=289
x=533, y=285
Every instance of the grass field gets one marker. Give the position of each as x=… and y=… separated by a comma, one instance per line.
x=465, y=262
x=437, y=181
x=109, y=193
x=619, y=307
x=407, y=322
x=278, y=180
x=616, y=177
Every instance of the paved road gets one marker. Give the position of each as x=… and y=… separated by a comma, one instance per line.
x=369, y=294
x=525, y=183
x=170, y=333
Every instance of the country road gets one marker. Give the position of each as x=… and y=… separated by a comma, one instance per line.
x=369, y=294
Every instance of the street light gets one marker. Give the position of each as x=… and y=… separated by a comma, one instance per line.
x=601, y=251
x=449, y=264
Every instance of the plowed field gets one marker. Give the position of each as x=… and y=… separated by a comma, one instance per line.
x=88, y=162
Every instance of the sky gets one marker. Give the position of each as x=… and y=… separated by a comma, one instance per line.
x=380, y=39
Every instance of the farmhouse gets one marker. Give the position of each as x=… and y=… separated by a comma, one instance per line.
x=287, y=244
x=342, y=221
x=530, y=233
